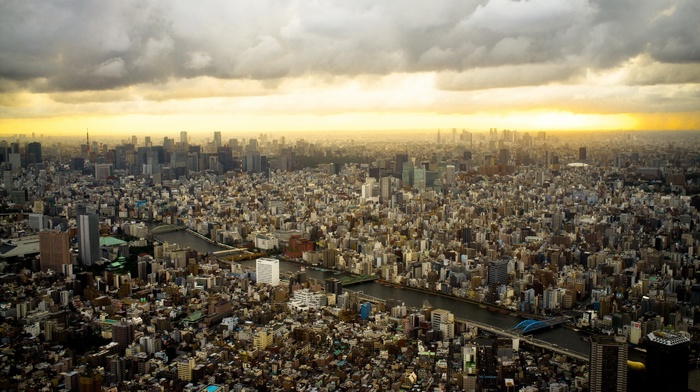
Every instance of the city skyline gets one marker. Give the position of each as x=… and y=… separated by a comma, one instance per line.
x=166, y=67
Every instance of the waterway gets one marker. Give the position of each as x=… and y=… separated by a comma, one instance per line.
x=186, y=239
x=563, y=337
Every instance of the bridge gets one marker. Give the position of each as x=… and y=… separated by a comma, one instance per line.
x=530, y=326
x=165, y=228
x=365, y=297
x=529, y=341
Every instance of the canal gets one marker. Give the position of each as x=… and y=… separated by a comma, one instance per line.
x=563, y=337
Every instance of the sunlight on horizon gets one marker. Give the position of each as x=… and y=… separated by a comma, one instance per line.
x=108, y=125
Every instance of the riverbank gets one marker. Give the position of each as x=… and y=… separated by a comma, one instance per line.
x=346, y=278
x=209, y=240
x=490, y=307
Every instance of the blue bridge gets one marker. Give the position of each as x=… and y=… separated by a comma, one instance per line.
x=530, y=326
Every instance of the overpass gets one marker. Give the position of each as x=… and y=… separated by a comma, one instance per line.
x=530, y=326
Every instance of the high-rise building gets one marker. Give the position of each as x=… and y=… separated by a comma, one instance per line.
x=450, y=174
x=123, y=334
x=608, y=362
x=34, y=153
x=267, y=271
x=498, y=272
x=334, y=286
x=399, y=161
x=667, y=361
x=88, y=239
x=217, y=139
x=582, y=154
x=54, y=250
x=117, y=369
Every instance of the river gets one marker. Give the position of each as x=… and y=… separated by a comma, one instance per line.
x=560, y=336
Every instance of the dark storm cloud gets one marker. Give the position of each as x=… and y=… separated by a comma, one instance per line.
x=90, y=45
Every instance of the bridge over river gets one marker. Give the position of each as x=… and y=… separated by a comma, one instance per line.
x=530, y=326
x=165, y=228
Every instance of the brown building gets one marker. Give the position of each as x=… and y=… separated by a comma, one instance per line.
x=54, y=250
x=123, y=334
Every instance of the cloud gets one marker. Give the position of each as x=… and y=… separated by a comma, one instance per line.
x=80, y=45
x=198, y=60
x=112, y=68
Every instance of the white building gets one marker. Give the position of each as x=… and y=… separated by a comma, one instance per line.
x=266, y=241
x=267, y=271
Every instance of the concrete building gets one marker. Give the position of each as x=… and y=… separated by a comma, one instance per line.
x=88, y=239
x=54, y=250
x=267, y=271
x=608, y=364
x=667, y=361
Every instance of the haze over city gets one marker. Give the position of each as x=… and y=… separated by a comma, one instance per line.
x=319, y=196
x=163, y=67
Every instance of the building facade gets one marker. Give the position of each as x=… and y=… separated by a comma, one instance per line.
x=267, y=271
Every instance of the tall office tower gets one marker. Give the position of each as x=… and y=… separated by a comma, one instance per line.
x=503, y=156
x=34, y=153
x=407, y=173
x=667, y=361
x=439, y=139
x=54, y=250
x=217, y=139
x=385, y=189
x=419, y=178
x=253, y=161
x=147, y=141
x=444, y=321
x=183, y=138
x=267, y=271
x=88, y=239
x=134, y=140
x=608, y=364
x=8, y=180
x=399, y=160
x=582, y=153
x=450, y=175
x=123, y=334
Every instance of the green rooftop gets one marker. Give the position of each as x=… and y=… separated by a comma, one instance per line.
x=111, y=241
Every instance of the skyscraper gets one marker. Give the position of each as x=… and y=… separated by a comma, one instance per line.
x=608, y=364
x=667, y=361
x=34, y=153
x=88, y=239
x=267, y=270
x=54, y=250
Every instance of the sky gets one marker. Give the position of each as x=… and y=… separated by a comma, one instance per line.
x=202, y=66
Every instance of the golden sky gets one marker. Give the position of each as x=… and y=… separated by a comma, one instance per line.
x=164, y=67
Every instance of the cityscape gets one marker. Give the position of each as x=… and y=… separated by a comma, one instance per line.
x=320, y=196
x=457, y=260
